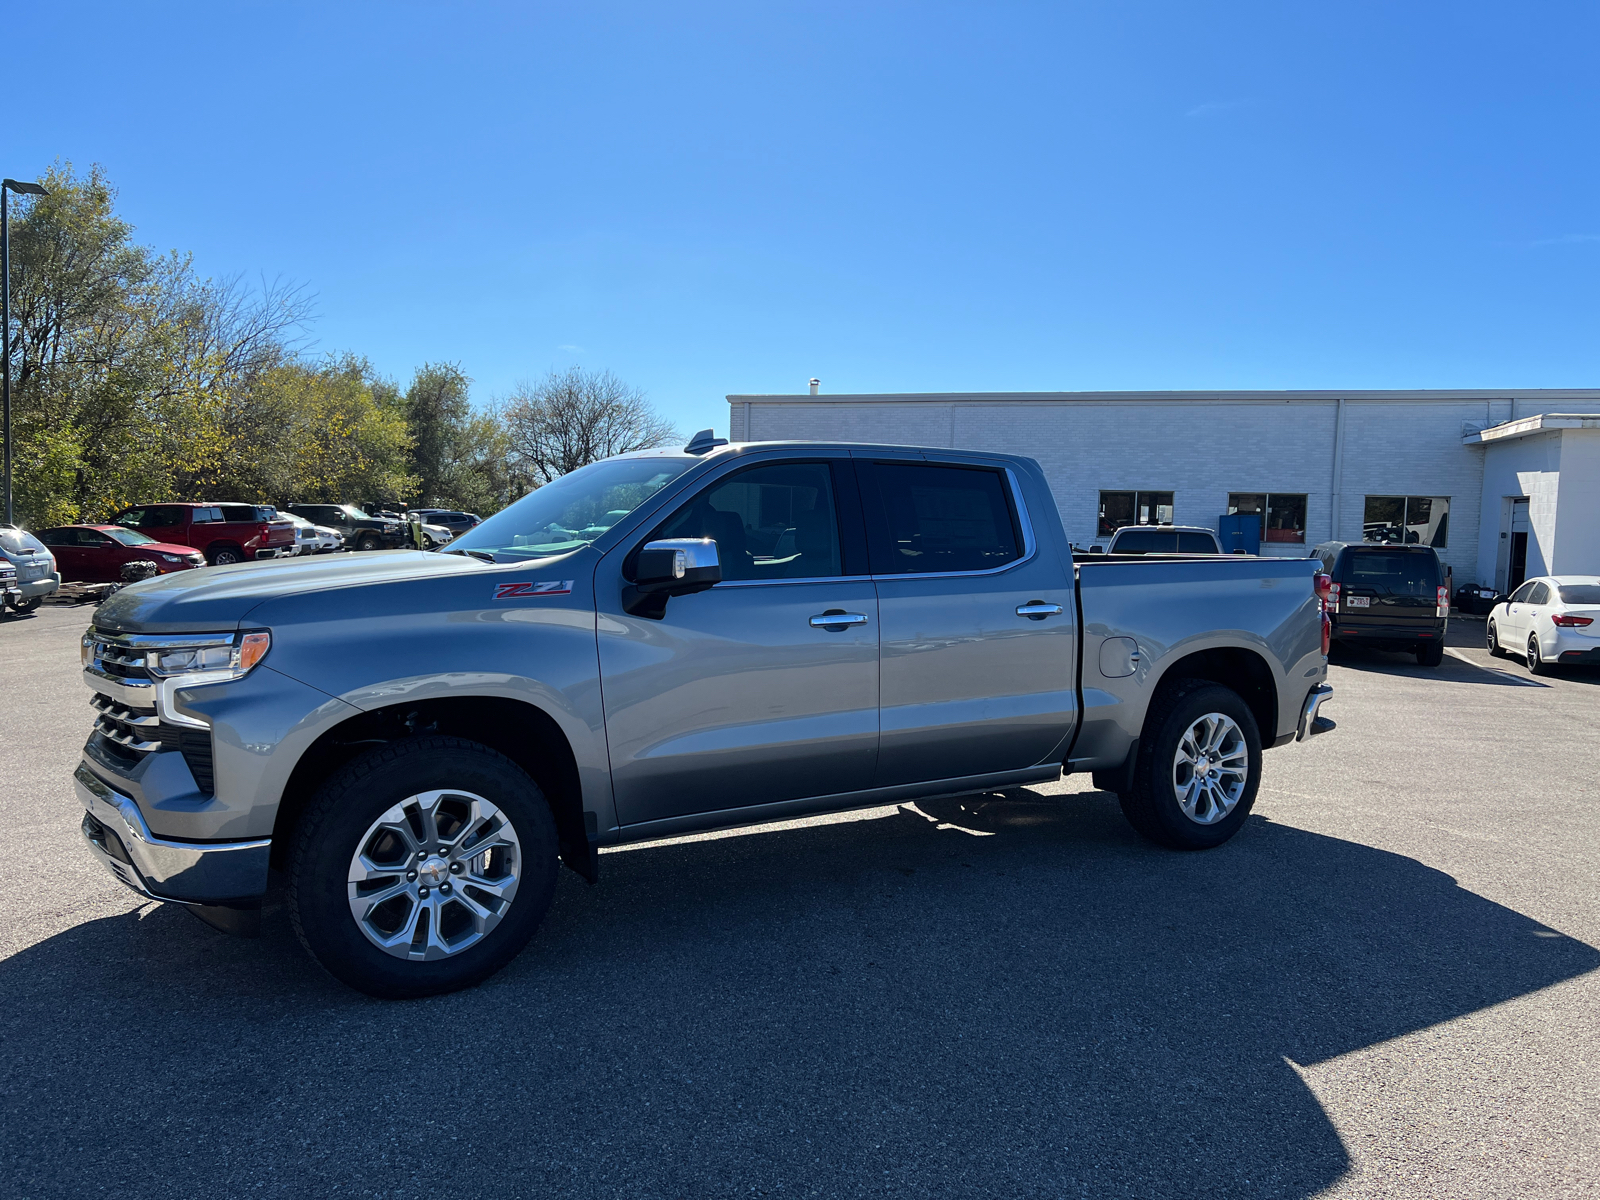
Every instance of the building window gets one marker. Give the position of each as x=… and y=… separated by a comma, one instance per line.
x=1407, y=520
x=1133, y=508
x=1283, y=514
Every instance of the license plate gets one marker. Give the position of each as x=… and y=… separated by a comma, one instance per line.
x=1359, y=601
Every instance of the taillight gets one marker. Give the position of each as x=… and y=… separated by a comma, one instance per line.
x=1442, y=609
x=1570, y=622
x=1323, y=586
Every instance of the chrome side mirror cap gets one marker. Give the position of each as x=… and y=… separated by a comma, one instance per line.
x=670, y=567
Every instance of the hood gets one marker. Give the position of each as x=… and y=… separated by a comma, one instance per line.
x=218, y=598
x=184, y=552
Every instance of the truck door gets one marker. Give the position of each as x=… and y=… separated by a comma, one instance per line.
x=977, y=632
x=740, y=695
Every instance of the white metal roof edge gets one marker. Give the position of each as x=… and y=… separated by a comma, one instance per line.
x=1591, y=395
x=1538, y=423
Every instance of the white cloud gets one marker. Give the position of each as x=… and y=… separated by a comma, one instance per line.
x=571, y=349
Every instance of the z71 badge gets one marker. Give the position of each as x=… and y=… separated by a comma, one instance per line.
x=515, y=591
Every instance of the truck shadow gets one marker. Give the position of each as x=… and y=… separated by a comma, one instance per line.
x=997, y=995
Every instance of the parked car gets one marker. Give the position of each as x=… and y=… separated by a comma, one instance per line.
x=10, y=593
x=96, y=553
x=1549, y=620
x=456, y=522
x=436, y=535
x=35, y=566
x=311, y=538
x=666, y=641
x=1164, y=539
x=1476, y=599
x=1389, y=597
x=359, y=531
x=224, y=533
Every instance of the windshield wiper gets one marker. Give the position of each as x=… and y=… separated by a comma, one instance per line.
x=482, y=554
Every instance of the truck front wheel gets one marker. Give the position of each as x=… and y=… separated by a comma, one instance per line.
x=423, y=866
x=1198, y=768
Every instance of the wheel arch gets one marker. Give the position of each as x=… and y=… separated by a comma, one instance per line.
x=1237, y=668
x=224, y=544
x=523, y=732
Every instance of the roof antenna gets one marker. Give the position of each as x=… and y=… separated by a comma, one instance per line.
x=704, y=442
x=815, y=384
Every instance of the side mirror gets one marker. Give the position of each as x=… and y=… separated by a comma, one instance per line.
x=670, y=567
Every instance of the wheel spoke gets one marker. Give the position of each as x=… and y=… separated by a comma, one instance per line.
x=371, y=900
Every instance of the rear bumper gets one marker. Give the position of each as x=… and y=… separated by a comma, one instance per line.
x=35, y=588
x=204, y=873
x=1579, y=658
x=1409, y=632
x=1311, y=723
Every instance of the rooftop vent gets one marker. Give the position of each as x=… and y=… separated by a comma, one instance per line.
x=815, y=384
x=704, y=442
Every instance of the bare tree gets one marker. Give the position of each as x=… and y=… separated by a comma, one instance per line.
x=572, y=418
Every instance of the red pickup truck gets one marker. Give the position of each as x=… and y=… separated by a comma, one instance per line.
x=226, y=533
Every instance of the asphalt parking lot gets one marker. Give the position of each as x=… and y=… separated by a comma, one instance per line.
x=1386, y=985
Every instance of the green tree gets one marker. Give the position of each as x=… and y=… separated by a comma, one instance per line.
x=462, y=456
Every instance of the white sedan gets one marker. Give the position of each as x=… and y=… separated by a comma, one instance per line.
x=1550, y=620
x=313, y=539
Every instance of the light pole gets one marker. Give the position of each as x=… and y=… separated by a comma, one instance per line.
x=26, y=189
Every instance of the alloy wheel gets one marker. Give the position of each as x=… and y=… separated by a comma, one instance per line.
x=1210, y=768
x=434, y=875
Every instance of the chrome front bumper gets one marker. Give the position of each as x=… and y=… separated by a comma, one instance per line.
x=1310, y=723
x=205, y=873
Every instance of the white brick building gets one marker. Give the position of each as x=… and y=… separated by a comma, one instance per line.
x=1318, y=465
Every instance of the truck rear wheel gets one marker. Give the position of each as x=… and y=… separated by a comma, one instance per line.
x=1198, y=768
x=422, y=867
x=1430, y=654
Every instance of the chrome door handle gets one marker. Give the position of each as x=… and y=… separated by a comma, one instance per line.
x=1038, y=610
x=836, y=619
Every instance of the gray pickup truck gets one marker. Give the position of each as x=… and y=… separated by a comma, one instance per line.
x=663, y=642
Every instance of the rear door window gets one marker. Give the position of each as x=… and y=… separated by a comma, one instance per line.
x=1539, y=595
x=162, y=516
x=927, y=518
x=243, y=513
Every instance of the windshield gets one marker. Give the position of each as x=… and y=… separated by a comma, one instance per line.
x=128, y=537
x=573, y=510
x=352, y=511
x=1579, y=593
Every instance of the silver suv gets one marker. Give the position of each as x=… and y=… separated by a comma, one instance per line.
x=36, y=570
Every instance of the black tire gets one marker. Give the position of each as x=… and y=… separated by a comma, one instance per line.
x=1491, y=639
x=1536, y=662
x=339, y=817
x=29, y=606
x=1430, y=654
x=367, y=541
x=1152, y=806
x=222, y=556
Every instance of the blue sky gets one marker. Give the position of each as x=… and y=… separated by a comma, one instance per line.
x=893, y=197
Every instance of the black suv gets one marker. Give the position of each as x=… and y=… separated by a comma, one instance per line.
x=360, y=531
x=451, y=519
x=1388, y=597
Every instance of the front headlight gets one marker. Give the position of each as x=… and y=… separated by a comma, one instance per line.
x=169, y=558
x=217, y=663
